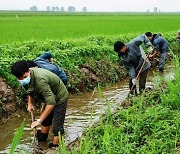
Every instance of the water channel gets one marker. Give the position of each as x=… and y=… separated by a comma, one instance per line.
x=83, y=110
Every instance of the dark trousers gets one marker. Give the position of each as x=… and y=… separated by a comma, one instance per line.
x=142, y=82
x=56, y=117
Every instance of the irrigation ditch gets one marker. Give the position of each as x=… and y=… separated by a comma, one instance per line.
x=83, y=109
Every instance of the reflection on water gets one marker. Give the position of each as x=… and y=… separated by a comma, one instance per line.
x=82, y=111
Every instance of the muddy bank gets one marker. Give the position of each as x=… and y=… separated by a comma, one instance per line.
x=88, y=76
x=7, y=100
x=93, y=72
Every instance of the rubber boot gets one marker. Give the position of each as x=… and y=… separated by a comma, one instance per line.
x=41, y=136
x=51, y=145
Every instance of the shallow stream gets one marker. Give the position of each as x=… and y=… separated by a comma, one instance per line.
x=83, y=110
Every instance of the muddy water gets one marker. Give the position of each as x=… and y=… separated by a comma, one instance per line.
x=83, y=110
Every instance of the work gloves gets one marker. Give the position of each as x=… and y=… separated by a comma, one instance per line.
x=150, y=49
x=134, y=81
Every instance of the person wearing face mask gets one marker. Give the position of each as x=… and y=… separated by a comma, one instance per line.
x=45, y=61
x=43, y=85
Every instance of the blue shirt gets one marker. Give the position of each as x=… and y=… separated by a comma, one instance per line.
x=42, y=62
x=134, y=58
x=160, y=44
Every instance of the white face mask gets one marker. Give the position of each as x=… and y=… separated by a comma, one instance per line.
x=25, y=81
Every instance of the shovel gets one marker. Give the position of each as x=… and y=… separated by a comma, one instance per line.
x=35, y=140
x=35, y=143
x=137, y=77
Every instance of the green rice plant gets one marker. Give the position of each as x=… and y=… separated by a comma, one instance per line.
x=17, y=137
x=21, y=152
x=62, y=145
x=41, y=26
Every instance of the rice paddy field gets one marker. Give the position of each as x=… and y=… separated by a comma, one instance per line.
x=150, y=124
x=27, y=26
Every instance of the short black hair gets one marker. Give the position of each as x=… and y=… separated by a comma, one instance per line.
x=31, y=63
x=118, y=46
x=148, y=34
x=19, y=68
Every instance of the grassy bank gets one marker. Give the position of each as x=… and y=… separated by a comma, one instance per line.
x=86, y=61
x=150, y=124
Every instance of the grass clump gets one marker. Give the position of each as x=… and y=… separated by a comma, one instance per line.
x=16, y=139
x=149, y=125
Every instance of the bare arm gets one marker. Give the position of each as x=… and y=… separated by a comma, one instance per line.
x=45, y=113
x=155, y=54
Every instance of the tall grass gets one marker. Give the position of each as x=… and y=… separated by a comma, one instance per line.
x=150, y=125
x=16, y=139
x=172, y=96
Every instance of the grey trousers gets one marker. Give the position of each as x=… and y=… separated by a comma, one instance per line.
x=142, y=82
x=162, y=60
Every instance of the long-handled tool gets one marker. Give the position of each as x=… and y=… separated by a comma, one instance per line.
x=137, y=77
x=35, y=143
x=35, y=140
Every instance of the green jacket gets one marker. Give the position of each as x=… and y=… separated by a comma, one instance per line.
x=46, y=87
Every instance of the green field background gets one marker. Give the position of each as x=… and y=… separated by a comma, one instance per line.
x=62, y=26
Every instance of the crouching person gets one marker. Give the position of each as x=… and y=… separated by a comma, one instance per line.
x=47, y=87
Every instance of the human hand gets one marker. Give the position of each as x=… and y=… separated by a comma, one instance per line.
x=134, y=81
x=150, y=56
x=35, y=124
x=150, y=49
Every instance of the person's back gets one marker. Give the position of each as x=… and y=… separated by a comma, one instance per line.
x=42, y=62
x=139, y=40
x=136, y=53
x=44, y=82
x=160, y=43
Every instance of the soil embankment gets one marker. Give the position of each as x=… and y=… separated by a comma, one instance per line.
x=7, y=100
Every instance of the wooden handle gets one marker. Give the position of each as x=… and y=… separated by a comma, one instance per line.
x=32, y=115
x=139, y=72
x=33, y=119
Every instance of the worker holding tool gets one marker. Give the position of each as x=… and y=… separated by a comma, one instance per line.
x=161, y=48
x=45, y=61
x=135, y=60
x=43, y=85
